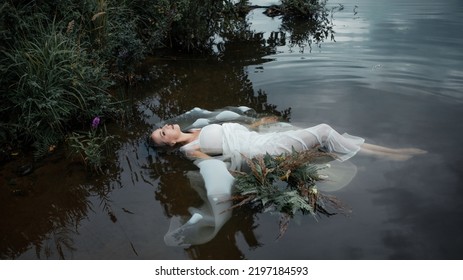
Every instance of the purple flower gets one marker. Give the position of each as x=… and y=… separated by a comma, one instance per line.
x=95, y=122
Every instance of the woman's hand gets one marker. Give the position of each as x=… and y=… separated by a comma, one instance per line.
x=264, y=120
x=271, y=119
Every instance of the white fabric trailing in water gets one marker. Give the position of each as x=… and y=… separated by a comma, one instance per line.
x=207, y=220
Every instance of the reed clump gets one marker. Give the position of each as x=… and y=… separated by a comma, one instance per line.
x=51, y=84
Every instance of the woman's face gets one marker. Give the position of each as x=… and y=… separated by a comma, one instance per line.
x=166, y=135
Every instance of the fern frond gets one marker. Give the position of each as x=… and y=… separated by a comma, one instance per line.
x=286, y=184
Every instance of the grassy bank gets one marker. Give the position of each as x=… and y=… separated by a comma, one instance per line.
x=59, y=59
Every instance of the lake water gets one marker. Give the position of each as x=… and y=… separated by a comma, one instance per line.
x=392, y=73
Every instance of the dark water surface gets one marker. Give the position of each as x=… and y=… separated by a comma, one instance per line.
x=393, y=74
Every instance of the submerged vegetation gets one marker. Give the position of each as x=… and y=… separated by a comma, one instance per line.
x=61, y=59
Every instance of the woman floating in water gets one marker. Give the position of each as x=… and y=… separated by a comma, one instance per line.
x=220, y=141
x=235, y=139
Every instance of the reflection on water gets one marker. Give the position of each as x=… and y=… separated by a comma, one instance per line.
x=226, y=245
x=41, y=212
x=196, y=83
x=393, y=73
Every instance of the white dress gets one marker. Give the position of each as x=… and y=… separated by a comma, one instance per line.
x=232, y=140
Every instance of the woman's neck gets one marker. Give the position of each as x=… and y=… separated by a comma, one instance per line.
x=189, y=137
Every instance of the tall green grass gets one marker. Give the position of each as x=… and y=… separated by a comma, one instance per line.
x=52, y=83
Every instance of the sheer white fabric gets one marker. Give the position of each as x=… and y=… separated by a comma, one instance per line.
x=233, y=140
x=198, y=118
x=214, y=186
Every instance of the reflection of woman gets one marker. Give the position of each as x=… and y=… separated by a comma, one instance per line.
x=234, y=139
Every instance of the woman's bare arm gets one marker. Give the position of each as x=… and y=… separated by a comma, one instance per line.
x=198, y=154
